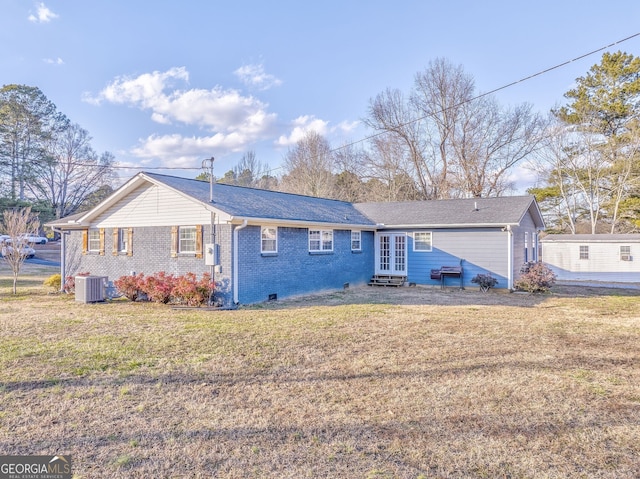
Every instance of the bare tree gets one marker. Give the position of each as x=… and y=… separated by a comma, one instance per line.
x=18, y=223
x=459, y=143
x=389, y=172
x=72, y=172
x=309, y=167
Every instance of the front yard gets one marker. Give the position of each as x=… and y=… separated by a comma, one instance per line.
x=362, y=383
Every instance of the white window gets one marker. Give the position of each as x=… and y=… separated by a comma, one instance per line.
x=356, y=241
x=94, y=239
x=584, y=252
x=269, y=239
x=187, y=239
x=625, y=253
x=320, y=240
x=526, y=246
x=422, y=241
x=123, y=240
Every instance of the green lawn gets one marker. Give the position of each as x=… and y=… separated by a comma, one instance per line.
x=365, y=383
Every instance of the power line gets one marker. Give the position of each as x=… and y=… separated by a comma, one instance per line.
x=415, y=120
x=508, y=85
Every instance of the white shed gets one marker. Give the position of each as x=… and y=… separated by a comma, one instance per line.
x=595, y=257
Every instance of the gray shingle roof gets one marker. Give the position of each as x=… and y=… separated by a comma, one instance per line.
x=490, y=211
x=255, y=203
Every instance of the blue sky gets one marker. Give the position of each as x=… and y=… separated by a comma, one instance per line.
x=168, y=83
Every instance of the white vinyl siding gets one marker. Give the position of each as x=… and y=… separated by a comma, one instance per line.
x=605, y=262
x=150, y=205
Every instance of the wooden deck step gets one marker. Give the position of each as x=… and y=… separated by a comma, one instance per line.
x=387, y=280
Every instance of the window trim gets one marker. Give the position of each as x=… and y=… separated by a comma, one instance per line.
x=180, y=239
x=625, y=256
x=91, y=242
x=358, y=233
x=583, y=252
x=415, y=241
x=320, y=240
x=263, y=240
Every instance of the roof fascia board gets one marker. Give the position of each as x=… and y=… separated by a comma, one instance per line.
x=445, y=226
x=255, y=221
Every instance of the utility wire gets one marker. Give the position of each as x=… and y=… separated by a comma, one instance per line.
x=415, y=120
x=508, y=85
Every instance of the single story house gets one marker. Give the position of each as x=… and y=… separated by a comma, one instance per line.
x=595, y=257
x=264, y=244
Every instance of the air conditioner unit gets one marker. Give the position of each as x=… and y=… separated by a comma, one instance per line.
x=626, y=257
x=90, y=289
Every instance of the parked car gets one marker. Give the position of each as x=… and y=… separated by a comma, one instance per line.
x=27, y=251
x=32, y=238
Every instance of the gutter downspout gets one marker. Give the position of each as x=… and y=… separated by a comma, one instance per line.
x=235, y=260
x=509, y=258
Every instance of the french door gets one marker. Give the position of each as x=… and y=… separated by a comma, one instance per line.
x=391, y=254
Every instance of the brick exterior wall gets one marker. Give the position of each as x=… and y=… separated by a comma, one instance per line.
x=294, y=270
x=151, y=254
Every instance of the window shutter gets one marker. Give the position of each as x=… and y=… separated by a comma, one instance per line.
x=115, y=242
x=130, y=242
x=101, y=241
x=85, y=241
x=198, y=241
x=174, y=241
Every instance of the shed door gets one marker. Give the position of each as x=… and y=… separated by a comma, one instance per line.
x=391, y=254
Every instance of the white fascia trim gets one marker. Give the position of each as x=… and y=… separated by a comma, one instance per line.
x=444, y=226
x=236, y=220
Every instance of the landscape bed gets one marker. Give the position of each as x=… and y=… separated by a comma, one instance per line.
x=366, y=382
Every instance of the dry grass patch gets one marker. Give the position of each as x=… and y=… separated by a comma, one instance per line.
x=402, y=383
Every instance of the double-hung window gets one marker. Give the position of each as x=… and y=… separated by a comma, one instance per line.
x=320, y=241
x=422, y=241
x=269, y=239
x=187, y=240
x=94, y=239
x=584, y=252
x=356, y=241
x=123, y=240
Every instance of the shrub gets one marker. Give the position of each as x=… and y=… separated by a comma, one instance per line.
x=70, y=282
x=54, y=282
x=485, y=281
x=159, y=287
x=535, y=277
x=131, y=287
x=191, y=291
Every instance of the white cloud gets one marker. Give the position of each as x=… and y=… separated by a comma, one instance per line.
x=42, y=15
x=235, y=121
x=179, y=151
x=54, y=61
x=303, y=124
x=254, y=76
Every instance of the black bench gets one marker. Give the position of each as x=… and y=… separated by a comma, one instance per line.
x=450, y=271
